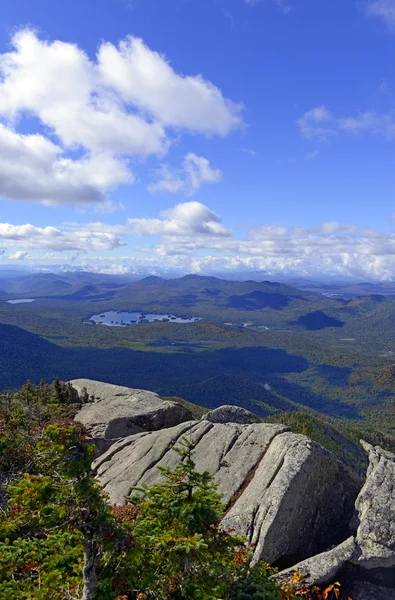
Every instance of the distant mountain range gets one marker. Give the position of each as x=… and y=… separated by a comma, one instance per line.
x=344, y=286
x=265, y=345
x=250, y=303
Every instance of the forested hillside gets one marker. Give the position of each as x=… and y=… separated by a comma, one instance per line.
x=266, y=346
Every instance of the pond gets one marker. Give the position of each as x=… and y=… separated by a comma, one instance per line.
x=112, y=318
x=20, y=301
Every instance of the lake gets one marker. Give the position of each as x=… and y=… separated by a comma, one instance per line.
x=112, y=318
x=20, y=301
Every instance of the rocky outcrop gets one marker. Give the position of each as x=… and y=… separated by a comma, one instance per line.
x=117, y=411
x=366, y=560
x=298, y=503
x=287, y=494
x=228, y=451
x=321, y=568
x=375, y=506
x=231, y=414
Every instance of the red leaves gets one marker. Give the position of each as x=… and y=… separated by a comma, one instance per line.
x=108, y=534
x=30, y=567
x=17, y=509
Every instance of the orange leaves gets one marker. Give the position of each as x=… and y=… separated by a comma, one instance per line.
x=240, y=557
x=334, y=589
x=297, y=589
x=296, y=577
x=329, y=593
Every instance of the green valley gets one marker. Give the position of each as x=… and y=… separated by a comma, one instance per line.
x=266, y=346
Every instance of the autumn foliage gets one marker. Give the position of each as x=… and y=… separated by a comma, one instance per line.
x=61, y=540
x=295, y=589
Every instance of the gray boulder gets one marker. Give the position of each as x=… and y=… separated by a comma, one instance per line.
x=372, y=549
x=321, y=568
x=228, y=451
x=299, y=502
x=375, y=506
x=287, y=494
x=231, y=414
x=121, y=411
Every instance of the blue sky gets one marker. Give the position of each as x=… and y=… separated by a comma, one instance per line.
x=199, y=135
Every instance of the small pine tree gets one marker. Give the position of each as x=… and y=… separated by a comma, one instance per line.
x=179, y=550
x=60, y=539
x=60, y=517
x=84, y=396
x=58, y=391
x=27, y=392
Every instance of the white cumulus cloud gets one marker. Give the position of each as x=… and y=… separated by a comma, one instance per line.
x=330, y=247
x=185, y=219
x=60, y=85
x=195, y=171
x=20, y=255
x=83, y=238
x=190, y=236
x=126, y=102
x=146, y=79
x=34, y=168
